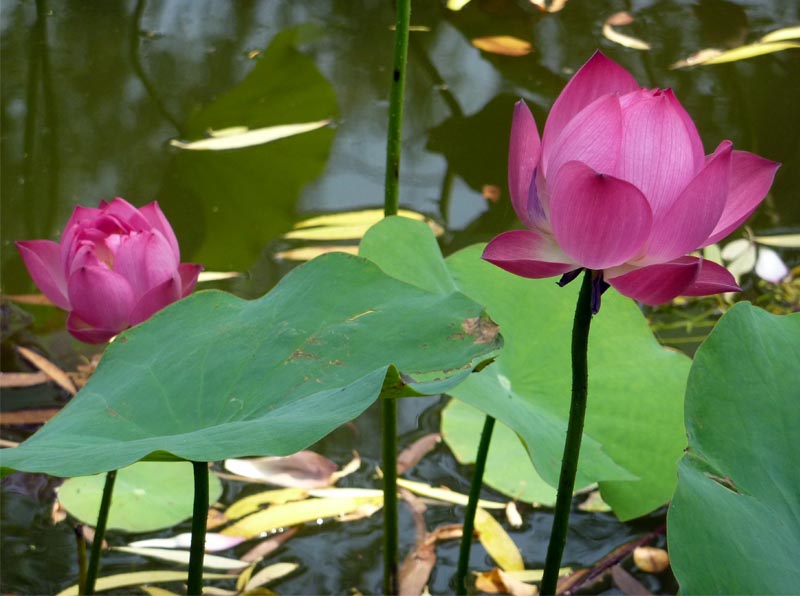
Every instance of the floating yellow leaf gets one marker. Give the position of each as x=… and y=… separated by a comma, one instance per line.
x=714, y=56
x=137, y=578
x=554, y=6
x=239, y=137
x=36, y=299
x=352, y=466
x=619, y=19
x=295, y=513
x=444, y=494
x=329, y=233
x=535, y=575
x=156, y=591
x=342, y=493
x=504, y=45
x=182, y=556
x=365, y=217
x=253, y=503
x=782, y=34
x=269, y=574
x=497, y=542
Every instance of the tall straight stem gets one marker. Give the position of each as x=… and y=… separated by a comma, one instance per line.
x=572, y=446
x=472, y=505
x=199, y=522
x=100, y=532
x=391, y=204
x=394, y=135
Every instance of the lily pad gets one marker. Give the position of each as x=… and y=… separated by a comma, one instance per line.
x=634, y=430
x=214, y=377
x=734, y=523
x=148, y=496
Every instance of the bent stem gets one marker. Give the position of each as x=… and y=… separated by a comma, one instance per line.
x=572, y=446
x=99, y=532
x=391, y=203
x=199, y=521
x=472, y=505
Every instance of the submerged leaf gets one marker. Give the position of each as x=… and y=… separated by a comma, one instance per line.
x=270, y=573
x=51, y=370
x=240, y=137
x=504, y=45
x=411, y=455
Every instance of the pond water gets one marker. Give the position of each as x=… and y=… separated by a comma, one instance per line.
x=93, y=93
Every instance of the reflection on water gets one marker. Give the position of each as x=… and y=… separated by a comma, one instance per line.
x=92, y=93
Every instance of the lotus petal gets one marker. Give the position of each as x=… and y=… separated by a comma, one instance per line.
x=523, y=155
x=528, y=254
x=43, y=260
x=656, y=284
x=712, y=279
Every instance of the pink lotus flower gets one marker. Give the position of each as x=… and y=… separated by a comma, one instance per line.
x=116, y=266
x=619, y=184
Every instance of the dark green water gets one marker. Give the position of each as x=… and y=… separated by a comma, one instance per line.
x=93, y=91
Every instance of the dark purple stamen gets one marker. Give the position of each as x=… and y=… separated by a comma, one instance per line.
x=599, y=285
x=568, y=277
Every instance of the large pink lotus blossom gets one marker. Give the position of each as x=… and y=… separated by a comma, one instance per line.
x=116, y=266
x=619, y=184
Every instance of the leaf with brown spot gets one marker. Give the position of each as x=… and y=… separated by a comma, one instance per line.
x=483, y=329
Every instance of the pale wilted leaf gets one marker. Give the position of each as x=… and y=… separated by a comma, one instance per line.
x=304, y=469
x=444, y=494
x=295, y=513
x=594, y=503
x=618, y=19
x=253, y=503
x=124, y=580
x=715, y=56
x=217, y=275
x=28, y=416
x=352, y=466
x=182, y=557
x=306, y=253
x=36, y=299
x=650, y=559
x=268, y=546
x=51, y=370
x=240, y=137
x=270, y=573
x=411, y=455
x=497, y=542
x=513, y=516
x=18, y=379
x=505, y=45
x=782, y=34
x=497, y=581
x=782, y=240
x=214, y=542
x=456, y=5
x=770, y=266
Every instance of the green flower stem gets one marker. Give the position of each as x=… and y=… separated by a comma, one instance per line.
x=572, y=446
x=394, y=135
x=390, y=526
x=472, y=505
x=99, y=532
x=391, y=204
x=199, y=521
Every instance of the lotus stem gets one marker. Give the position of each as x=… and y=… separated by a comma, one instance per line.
x=391, y=205
x=472, y=505
x=394, y=135
x=99, y=532
x=572, y=446
x=199, y=522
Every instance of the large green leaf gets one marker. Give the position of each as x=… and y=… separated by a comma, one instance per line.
x=148, y=496
x=734, y=523
x=241, y=199
x=634, y=430
x=214, y=377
